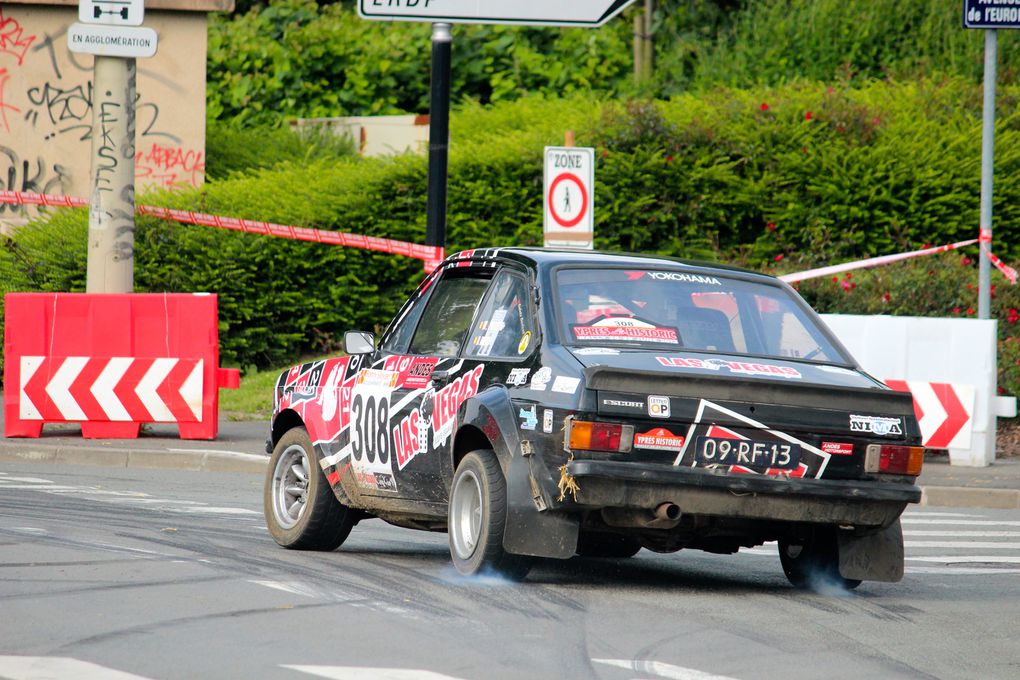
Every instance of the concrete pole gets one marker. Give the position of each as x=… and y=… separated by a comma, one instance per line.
x=111, y=239
x=987, y=175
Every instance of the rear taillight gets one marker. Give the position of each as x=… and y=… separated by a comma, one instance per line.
x=588, y=436
x=894, y=459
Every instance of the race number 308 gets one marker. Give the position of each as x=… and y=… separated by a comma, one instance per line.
x=370, y=433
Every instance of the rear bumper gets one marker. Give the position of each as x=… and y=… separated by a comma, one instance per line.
x=700, y=492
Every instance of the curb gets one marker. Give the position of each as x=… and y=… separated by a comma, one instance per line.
x=970, y=497
x=204, y=461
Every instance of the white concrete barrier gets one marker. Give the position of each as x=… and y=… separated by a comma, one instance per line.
x=961, y=352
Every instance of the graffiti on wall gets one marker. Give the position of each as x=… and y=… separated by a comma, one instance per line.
x=46, y=114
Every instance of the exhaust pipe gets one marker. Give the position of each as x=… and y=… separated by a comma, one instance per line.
x=669, y=512
x=663, y=516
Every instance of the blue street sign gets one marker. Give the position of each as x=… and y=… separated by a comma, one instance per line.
x=991, y=13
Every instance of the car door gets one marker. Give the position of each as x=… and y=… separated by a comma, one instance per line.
x=401, y=408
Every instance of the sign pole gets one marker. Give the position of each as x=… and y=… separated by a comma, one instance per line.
x=111, y=235
x=439, y=135
x=987, y=174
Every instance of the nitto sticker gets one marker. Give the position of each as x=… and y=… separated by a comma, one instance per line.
x=838, y=448
x=547, y=421
x=541, y=378
x=658, y=407
x=659, y=439
x=522, y=346
x=529, y=418
x=740, y=367
x=876, y=425
x=639, y=333
x=565, y=384
x=518, y=376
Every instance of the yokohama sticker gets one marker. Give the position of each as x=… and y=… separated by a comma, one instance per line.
x=659, y=439
x=667, y=335
x=838, y=448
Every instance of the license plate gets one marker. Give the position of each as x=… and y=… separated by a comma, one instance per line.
x=755, y=455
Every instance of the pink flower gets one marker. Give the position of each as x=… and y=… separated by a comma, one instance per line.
x=778, y=258
x=846, y=286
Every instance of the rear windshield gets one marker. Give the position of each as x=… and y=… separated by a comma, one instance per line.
x=658, y=309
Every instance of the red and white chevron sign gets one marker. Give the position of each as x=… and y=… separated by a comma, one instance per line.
x=118, y=389
x=944, y=411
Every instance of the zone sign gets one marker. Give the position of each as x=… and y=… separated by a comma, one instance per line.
x=569, y=197
x=111, y=12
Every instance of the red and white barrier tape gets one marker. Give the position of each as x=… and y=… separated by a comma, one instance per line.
x=872, y=262
x=338, y=238
x=1006, y=270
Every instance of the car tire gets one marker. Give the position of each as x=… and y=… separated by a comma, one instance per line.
x=595, y=544
x=301, y=511
x=477, y=517
x=813, y=561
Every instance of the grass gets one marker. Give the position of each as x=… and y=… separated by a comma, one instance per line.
x=253, y=400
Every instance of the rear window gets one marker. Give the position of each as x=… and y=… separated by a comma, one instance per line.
x=668, y=309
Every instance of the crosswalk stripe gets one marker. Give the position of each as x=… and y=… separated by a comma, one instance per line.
x=964, y=522
x=48, y=668
x=966, y=559
x=983, y=545
x=964, y=534
x=361, y=673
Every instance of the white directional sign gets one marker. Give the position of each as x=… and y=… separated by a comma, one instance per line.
x=111, y=12
x=112, y=41
x=535, y=12
x=569, y=197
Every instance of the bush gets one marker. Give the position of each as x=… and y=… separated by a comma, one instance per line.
x=231, y=150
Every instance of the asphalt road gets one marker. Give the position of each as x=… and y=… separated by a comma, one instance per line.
x=132, y=573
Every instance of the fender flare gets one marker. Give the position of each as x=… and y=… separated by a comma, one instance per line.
x=529, y=530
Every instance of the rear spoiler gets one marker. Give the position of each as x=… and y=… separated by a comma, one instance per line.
x=729, y=388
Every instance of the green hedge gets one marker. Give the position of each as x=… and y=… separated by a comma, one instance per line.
x=293, y=58
x=775, y=178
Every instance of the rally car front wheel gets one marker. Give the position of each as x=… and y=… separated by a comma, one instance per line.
x=477, y=517
x=301, y=510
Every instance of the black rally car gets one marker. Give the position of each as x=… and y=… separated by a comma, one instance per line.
x=540, y=403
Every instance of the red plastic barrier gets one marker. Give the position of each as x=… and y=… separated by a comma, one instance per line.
x=112, y=362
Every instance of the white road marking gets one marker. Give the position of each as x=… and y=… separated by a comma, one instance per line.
x=4, y=478
x=983, y=545
x=966, y=559
x=939, y=514
x=662, y=670
x=964, y=534
x=334, y=595
x=57, y=668
x=964, y=522
x=362, y=673
x=960, y=571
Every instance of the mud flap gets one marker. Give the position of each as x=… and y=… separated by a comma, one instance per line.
x=875, y=557
x=530, y=531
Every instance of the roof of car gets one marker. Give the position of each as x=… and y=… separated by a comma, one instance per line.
x=545, y=257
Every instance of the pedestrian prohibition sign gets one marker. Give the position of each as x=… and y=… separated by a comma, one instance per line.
x=569, y=197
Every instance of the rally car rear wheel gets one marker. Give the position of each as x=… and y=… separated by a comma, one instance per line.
x=300, y=508
x=477, y=517
x=812, y=561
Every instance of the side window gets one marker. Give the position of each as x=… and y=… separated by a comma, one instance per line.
x=400, y=337
x=447, y=316
x=505, y=326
